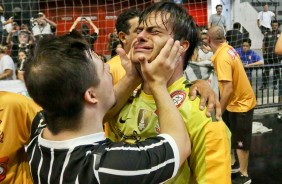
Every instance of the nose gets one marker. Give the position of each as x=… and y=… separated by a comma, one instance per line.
x=142, y=36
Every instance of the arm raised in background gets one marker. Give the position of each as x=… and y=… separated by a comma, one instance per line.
x=75, y=23
x=96, y=30
x=278, y=46
x=52, y=23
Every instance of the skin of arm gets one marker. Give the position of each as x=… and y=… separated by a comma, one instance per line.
x=96, y=30
x=49, y=21
x=255, y=63
x=6, y=73
x=75, y=23
x=258, y=22
x=226, y=93
x=157, y=74
x=278, y=46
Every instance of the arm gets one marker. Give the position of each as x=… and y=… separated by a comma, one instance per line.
x=7, y=73
x=207, y=96
x=75, y=23
x=226, y=93
x=156, y=74
x=278, y=46
x=258, y=23
x=125, y=87
x=96, y=30
x=10, y=20
x=255, y=63
x=49, y=21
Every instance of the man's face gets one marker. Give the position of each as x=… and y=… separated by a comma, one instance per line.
x=219, y=10
x=151, y=38
x=23, y=38
x=265, y=8
x=274, y=26
x=132, y=32
x=204, y=38
x=246, y=46
x=105, y=90
x=21, y=56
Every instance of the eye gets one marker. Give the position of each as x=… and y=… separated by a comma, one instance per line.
x=154, y=32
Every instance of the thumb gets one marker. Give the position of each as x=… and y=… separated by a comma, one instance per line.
x=122, y=54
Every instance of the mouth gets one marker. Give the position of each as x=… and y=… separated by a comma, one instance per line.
x=142, y=48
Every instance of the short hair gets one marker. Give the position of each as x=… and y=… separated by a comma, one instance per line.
x=178, y=20
x=248, y=40
x=219, y=5
x=3, y=49
x=236, y=25
x=122, y=23
x=57, y=77
x=274, y=21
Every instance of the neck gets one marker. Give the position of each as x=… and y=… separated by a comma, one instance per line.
x=90, y=122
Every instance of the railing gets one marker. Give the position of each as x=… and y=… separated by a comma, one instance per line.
x=269, y=95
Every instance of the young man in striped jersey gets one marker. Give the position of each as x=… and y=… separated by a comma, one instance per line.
x=74, y=87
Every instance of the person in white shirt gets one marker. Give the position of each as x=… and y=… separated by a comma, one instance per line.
x=264, y=19
x=43, y=26
x=7, y=66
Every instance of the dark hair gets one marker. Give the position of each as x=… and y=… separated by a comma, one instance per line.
x=122, y=23
x=57, y=77
x=236, y=25
x=248, y=40
x=182, y=24
x=85, y=30
x=274, y=21
x=219, y=5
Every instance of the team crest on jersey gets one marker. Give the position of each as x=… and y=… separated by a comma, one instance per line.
x=178, y=97
x=3, y=167
x=143, y=117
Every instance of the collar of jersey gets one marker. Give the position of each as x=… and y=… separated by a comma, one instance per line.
x=176, y=85
x=72, y=143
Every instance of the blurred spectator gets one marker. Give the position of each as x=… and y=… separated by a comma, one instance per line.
x=43, y=26
x=248, y=57
x=3, y=23
x=269, y=55
x=7, y=66
x=234, y=36
x=19, y=39
x=264, y=19
x=217, y=19
x=113, y=42
x=85, y=31
x=22, y=57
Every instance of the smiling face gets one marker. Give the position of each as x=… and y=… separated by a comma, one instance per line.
x=152, y=35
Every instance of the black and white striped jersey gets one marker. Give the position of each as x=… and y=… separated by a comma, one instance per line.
x=95, y=159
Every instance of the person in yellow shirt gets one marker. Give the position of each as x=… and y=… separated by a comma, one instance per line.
x=237, y=98
x=16, y=116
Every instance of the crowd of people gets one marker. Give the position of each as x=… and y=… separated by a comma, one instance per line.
x=141, y=117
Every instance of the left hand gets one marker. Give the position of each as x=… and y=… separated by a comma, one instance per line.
x=208, y=97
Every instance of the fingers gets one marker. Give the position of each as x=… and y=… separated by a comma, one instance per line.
x=193, y=93
x=218, y=110
x=122, y=54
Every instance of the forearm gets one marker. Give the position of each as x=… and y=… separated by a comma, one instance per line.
x=171, y=121
x=278, y=46
x=225, y=96
x=96, y=30
x=51, y=22
x=258, y=23
x=123, y=90
x=7, y=73
x=256, y=63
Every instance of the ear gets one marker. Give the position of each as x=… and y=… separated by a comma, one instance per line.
x=121, y=37
x=185, y=46
x=90, y=96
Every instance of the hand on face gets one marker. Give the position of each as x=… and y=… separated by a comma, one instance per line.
x=159, y=71
x=127, y=64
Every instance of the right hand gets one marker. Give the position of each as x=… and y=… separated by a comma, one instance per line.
x=159, y=71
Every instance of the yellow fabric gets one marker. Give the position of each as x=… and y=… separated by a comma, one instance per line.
x=116, y=69
x=229, y=67
x=16, y=115
x=210, y=140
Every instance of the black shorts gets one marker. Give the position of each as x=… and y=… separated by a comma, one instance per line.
x=240, y=125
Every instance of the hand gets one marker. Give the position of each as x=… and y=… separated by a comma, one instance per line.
x=128, y=66
x=159, y=71
x=207, y=96
x=88, y=19
x=78, y=19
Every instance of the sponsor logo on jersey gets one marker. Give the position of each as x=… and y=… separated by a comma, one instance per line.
x=232, y=52
x=178, y=97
